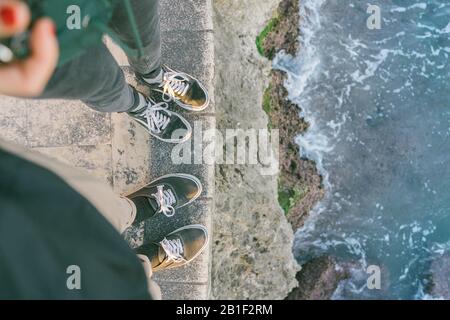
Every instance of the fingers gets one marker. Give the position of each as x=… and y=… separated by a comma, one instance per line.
x=44, y=51
x=28, y=78
x=14, y=17
x=38, y=68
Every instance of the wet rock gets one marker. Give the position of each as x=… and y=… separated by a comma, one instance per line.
x=318, y=280
x=296, y=174
x=285, y=34
x=300, y=185
x=439, y=282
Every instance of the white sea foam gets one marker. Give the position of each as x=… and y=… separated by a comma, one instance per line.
x=372, y=66
x=313, y=144
x=327, y=82
x=421, y=6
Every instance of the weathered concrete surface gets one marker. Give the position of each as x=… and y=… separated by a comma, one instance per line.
x=114, y=149
x=252, y=257
x=187, y=45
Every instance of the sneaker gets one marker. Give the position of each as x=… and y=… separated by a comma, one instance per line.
x=165, y=195
x=185, y=90
x=176, y=249
x=163, y=124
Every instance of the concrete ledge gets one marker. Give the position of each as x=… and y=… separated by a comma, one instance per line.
x=188, y=45
x=183, y=291
x=191, y=15
x=115, y=149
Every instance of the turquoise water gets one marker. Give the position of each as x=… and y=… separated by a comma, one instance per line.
x=379, y=106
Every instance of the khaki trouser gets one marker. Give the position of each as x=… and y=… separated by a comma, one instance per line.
x=119, y=211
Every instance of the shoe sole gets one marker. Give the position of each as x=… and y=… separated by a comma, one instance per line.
x=193, y=226
x=179, y=141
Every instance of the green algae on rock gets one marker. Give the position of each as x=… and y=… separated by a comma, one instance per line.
x=300, y=185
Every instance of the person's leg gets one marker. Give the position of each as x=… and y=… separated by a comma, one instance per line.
x=147, y=17
x=119, y=211
x=153, y=287
x=168, y=84
x=96, y=79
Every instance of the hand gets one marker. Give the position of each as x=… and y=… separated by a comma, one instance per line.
x=29, y=77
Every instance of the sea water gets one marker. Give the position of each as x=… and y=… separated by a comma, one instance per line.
x=378, y=101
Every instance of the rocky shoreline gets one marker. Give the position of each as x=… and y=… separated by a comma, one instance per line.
x=300, y=185
x=255, y=215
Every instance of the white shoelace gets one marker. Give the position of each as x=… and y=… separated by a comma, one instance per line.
x=174, y=249
x=165, y=199
x=158, y=117
x=173, y=84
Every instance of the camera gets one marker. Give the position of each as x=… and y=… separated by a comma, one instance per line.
x=93, y=17
x=16, y=47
